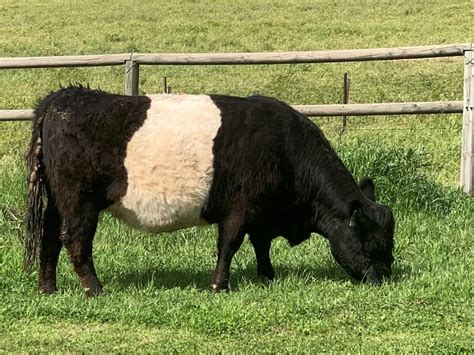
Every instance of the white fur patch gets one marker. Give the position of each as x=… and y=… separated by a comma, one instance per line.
x=169, y=164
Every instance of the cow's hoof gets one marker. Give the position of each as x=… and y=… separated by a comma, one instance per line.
x=220, y=289
x=48, y=290
x=266, y=276
x=93, y=292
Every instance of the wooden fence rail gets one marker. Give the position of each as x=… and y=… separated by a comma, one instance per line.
x=328, y=56
x=356, y=55
x=395, y=108
x=132, y=62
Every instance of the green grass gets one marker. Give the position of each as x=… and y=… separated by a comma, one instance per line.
x=158, y=296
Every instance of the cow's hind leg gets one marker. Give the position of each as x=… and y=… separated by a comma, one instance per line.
x=231, y=236
x=50, y=249
x=261, y=244
x=78, y=229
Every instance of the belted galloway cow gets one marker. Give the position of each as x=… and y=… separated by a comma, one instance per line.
x=163, y=162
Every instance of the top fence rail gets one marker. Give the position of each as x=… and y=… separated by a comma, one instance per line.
x=330, y=56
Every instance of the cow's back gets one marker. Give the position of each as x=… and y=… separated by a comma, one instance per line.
x=85, y=135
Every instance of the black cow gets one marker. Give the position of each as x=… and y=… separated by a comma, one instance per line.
x=164, y=162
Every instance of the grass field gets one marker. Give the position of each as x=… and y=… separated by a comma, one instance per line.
x=158, y=296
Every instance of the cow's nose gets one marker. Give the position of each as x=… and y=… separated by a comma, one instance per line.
x=371, y=277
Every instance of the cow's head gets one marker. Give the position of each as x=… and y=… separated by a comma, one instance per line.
x=364, y=245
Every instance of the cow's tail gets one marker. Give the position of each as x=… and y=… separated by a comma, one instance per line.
x=36, y=190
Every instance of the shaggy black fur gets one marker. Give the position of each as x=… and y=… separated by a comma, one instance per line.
x=84, y=135
x=275, y=174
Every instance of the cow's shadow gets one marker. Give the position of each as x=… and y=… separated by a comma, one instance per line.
x=201, y=279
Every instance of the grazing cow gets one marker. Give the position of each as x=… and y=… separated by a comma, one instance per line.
x=164, y=162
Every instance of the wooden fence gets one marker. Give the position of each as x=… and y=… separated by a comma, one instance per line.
x=132, y=62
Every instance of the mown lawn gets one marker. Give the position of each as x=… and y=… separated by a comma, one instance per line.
x=158, y=296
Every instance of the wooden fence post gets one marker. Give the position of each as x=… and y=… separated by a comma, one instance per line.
x=132, y=74
x=467, y=154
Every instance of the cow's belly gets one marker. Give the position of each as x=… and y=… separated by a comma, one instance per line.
x=159, y=212
x=169, y=164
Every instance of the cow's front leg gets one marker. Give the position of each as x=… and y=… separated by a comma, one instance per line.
x=261, y=244
x=231, y=235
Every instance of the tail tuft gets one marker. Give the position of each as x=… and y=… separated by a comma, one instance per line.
x=36, y=195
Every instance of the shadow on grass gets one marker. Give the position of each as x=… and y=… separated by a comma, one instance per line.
x=201, y=279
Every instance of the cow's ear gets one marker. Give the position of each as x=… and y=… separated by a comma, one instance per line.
x=368, y=188
x=355, y=211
